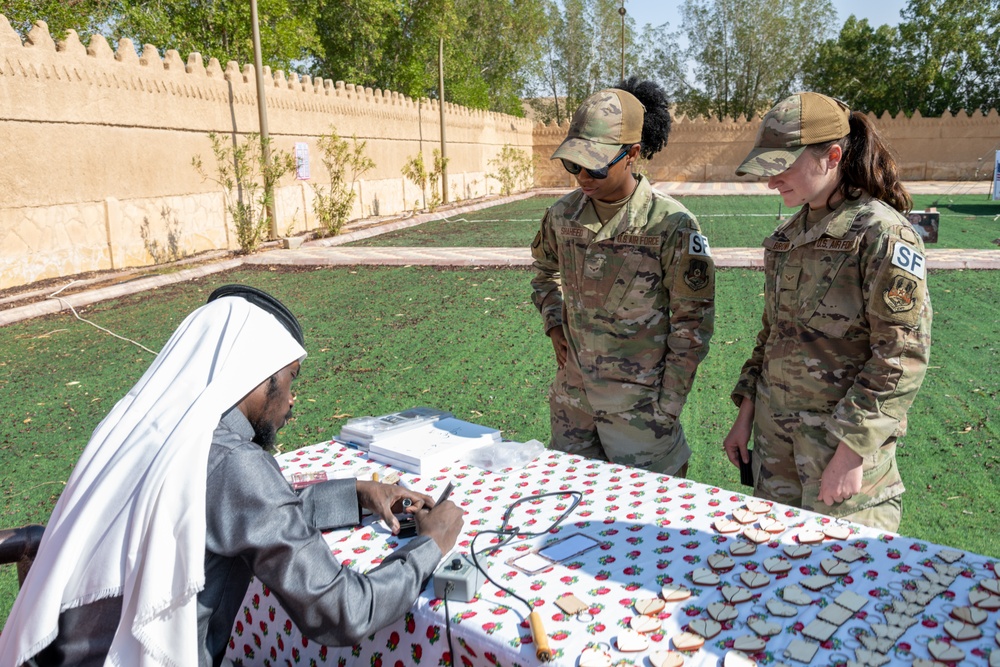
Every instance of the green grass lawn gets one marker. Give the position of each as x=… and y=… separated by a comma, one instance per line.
x=470, y=341
x=967, y=221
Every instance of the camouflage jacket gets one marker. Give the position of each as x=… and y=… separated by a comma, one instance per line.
x=847, y=322
x=635, y=297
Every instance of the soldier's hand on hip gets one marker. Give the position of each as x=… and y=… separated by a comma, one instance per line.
x=559, y=344
x=842, y=477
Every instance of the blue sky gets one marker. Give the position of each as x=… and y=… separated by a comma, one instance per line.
x=876, y=11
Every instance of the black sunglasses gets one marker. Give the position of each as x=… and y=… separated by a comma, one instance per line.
x=599, y=174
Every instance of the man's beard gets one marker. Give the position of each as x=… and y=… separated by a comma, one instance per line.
x=265, y=434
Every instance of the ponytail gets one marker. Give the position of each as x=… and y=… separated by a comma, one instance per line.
x=868, y=165
x=656, y=121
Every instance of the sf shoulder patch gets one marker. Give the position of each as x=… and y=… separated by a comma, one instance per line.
x=900, y=290
x=698, y=245
x=694, y=270
x=909, y=259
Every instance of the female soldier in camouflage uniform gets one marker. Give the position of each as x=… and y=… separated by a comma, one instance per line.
x=626, y=288
x=847, y=318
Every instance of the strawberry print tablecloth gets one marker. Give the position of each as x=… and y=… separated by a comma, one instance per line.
x=655, y=531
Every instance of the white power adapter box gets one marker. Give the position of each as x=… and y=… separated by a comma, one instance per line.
x=457, y=578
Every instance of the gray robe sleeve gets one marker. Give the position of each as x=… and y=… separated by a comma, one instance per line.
x=253, y=514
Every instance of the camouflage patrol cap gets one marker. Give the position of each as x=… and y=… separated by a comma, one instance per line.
x=794, y=123
x=605, y=122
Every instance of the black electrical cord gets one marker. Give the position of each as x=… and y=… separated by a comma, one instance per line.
x=508, y=532
x=447, y=621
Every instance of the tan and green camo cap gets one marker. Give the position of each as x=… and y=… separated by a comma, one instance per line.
x=605, y=122
x=794, y=123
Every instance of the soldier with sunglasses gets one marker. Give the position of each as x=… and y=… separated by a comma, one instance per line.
x=626, y=289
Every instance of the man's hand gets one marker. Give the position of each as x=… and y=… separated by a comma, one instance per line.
x=559, y=344
x=735, y=443
x=842, y=477
x=387, y=499
x=443, y=524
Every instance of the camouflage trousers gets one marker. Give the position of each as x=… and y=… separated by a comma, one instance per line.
x=791, y=451
x=644, y=437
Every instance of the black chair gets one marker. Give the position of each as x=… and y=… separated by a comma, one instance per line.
x=19, y=546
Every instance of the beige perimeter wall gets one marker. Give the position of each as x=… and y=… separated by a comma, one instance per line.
x=959, y=147
x=96, y=147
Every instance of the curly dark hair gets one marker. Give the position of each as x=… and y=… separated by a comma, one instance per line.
x=656, y=122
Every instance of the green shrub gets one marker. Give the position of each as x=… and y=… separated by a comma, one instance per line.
x=345, y=163
x=240, y=169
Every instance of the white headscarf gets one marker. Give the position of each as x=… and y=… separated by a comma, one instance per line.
x=131, y=520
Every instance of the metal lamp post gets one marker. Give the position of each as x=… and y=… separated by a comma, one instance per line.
x=262, y=115
x=621, y=12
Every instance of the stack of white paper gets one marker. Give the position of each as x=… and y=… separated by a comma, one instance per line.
x=430, y=447
x=363, y=431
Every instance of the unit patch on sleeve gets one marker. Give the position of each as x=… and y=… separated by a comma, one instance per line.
x=909, y=259
x=698, y=245
x=899, y=289
x=899, y=296
x=696, y=276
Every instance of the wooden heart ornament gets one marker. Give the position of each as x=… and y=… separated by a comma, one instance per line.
x=962, y=632
x=727, y=525
x=850, y=554
x=742, y=548
x=630, y=641
x=754, y=579
x=594, y=657
x=738, y=658
x=650, y=606
x=817, y=582
x=971, y=615
x=705, y=627
x=666, y=659
x=771, y=525
x=704, y=577
x=810, y=537
x=721, y=562
x=834, y=567
x=645, y=624
x=749, y=644
x=688, y=641
x=944, y=651
x=984, y=599
x=837, y=531
x=757, y=535
x=796, y=595
x=763, y=627
x=675, y=593
x=777, y=565
x=735, y=594
x=779, y=608
x=722, y=612
x=758, y=506
x=798, y=550
x=990, y=585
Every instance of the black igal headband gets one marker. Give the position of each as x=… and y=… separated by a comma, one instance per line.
x=263, y=300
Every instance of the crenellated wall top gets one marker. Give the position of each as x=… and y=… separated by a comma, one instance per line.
x=898, y=121
x=92, y=62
